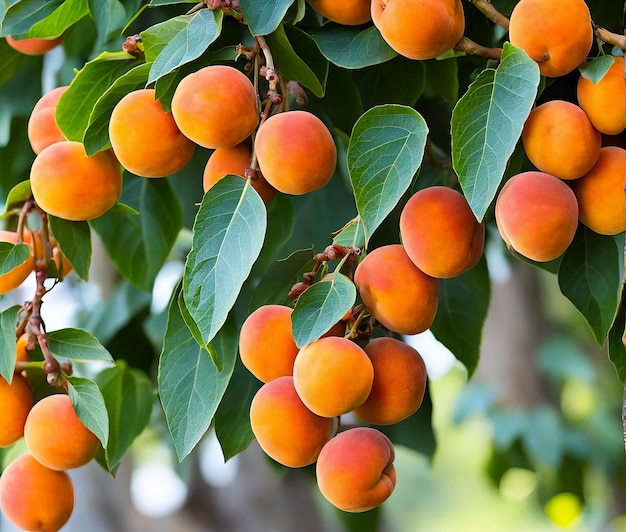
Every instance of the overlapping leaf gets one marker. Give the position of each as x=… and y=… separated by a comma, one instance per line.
x=264, y=17
x=74, y=240
x=90, y=407
x=8, y=318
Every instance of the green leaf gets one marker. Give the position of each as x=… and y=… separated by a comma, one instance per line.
x=442, y=79
x=591, y=275
x=595, y=70
x=190, y=386
x=74, y=240
x=264, y=17
x=66, y=15
x=8, y=353
x=17, y=196
x=353, y=234
x=13, y=62
x=461, y=314
x=140, y=244
x=385, y=152
x=617, y=343
x=108, y=16
x=90, y=407
x=352, y=48
x=487, y=123
x=77, y=345
x=228, y=236
x=20, y=16
x=12, y=255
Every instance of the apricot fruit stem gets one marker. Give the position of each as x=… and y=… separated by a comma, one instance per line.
x=473, y=48
x=353, y=331
x=609, y=37
x=486, y=7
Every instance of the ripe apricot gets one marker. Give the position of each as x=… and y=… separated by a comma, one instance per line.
x=605, y=101
x=14, y=278
x=601, y=195
x=440, y=233
x=69, y=184
x=559, y=139
x=355, y=470
x=21, y=351
x=42, y=125
x=55, y=435
x=296, y=152
x=537, y=215
x=557, y=34
x=235, y=160
x=16, y=400
x=419, y=29
x=399, y=382
x=266, y=344
x=216, y=106
x=348, y=13
x=33, y=46
x=396, y=292
x=34, y=497
x=285, y=428
x=145, y=138
x=332, y=376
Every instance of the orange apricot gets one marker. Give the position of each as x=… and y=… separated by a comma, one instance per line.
x=34, y=497
x=355, y=470
x=605, y=101
x=332, y=376
x=284, y=427
x=234, y=160
x=43, y=129
x=21, y=350
x=537, y=215
x=15, y=277
x=348, y=13
x=440, y=233
x=559, y=139
x=266, y=344
x=395, y=291
x=145, y=138
x=399, y=382
x=296, y=152
x=69, y=184
x=55, y=435
x=216, y=106
x=16, y=400
x=419, y=29
x=33, y=46
x=557, y=34
x=601, y=193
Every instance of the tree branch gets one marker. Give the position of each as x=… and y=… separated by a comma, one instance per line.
x=486, y=7
x=472, y=48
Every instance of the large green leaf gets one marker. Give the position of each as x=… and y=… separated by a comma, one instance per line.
x=385, y=151
x=12, y=255
x=77, y=345
x=228, y=236
x=595, y=70
x=264, y=17
x=487, y=123
x=108, y=16
x=74, y=240
x=617, y=343
x=66, y=15
x=19, y=17
x=8, y=353
x=90, y=407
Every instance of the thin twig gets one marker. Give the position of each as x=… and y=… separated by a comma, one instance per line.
x=486, y=7
x=472, y=48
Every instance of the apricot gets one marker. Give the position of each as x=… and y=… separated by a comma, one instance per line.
x=348, y=13
x=601, y=195
x=419, y=29
x=15, y=277
x=22, y=351
x=55, y=435
x=43, y=129
x=38, y=245
x=396, y=292
x=33, y=46
x=34, y=497
x=216, y=106
x=145, y=138
x=559, y=139
x=440, y=233
x=355, y=470
x=332, y=376
x=285, y=428
x=557, y=34
x=234, y=160
x=16, y=400
x=605, y=101
x=67, y=183
x=266, y=344
x=537, y=215
x=296, y=152
x=399, y=382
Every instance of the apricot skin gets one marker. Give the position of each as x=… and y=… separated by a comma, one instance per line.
x=33, y=46
x=559, y=139
x=16, y=400
x=557, y=34
x=216, y=106
x=600, y=193
x=90, y=185
x=419, y=29
x=348, y=13
x=284, y=427
x=355, y=470
x=145, y=138
x=399, y=382
x=34, y=497
x=296, y=152
x=396, y=292
x=56, y=437
x=21, y=351
x=14, y=278
x=42, y=125
x=440, y=233
x=537, y=215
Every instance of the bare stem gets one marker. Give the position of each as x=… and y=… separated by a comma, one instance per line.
x=486, y=7
x=197, y=7
x=609, y=37
x=472, y=48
